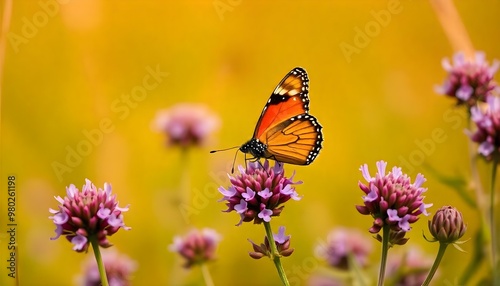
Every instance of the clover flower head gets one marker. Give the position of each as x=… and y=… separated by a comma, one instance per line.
x=83, y=215
x=197, y=247
x=186, y=124
x=391, y=199
x=342, y=243
x=259, y=192
x=469, y=81
x=487, y=133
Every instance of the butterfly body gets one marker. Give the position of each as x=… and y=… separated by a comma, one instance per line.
x=286, y=132
x=255, y=148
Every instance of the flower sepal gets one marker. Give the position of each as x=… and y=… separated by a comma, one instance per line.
x=281, y=241
x=395, y=238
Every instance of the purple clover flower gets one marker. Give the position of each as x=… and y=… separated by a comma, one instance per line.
x=259, y=192
x=487, y=133
x=391, y=199
x=468, y=81
x=342, y=242
x=91, y=212
x=197, y=246
x=186, y=124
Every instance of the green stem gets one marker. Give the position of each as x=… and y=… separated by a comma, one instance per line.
x=275, y=256
x=480, y=198
x=385, y=249
x=496, y=272
x=98, y=258
x=356, y=275
x=206, y=275
x=481, y=206
x=442, y=249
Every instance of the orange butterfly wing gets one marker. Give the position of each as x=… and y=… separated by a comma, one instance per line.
x=290, y=98
x=285, y=127
x=295, y=141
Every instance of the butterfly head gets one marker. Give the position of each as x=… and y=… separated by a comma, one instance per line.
x=255, y=148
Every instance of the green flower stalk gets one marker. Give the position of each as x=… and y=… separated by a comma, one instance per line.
x=119, y=270
x=280, y=248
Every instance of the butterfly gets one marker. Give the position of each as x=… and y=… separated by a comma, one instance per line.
x=285, y=131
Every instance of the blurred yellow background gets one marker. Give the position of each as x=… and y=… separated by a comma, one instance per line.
x=70, y=65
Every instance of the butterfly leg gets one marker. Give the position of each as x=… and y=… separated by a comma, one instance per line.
x=253, y=160
x=281, y=164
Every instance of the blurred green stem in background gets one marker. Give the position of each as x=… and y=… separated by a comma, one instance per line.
x=356, y=275
x=482, y=209
x=494, y=242
x=206, y=275
x=476, y=259
x=184, y=191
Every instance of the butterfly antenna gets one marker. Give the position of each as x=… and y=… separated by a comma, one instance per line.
x=234, y=160
x=213, y=151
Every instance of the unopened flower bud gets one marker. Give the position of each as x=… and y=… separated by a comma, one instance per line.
x=447, y=225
